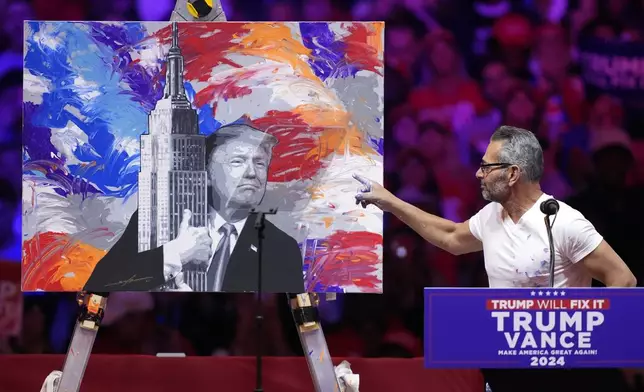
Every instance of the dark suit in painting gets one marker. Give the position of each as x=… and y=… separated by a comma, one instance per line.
x=238, y=157
x=123, y=268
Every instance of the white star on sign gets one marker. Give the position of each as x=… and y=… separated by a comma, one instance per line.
x=532, y=293
x=548, y=293
x=540, y=293
x=555, y=293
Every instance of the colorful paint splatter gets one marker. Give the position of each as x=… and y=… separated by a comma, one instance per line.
x=88, y=90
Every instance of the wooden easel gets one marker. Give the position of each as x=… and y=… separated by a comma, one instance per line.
x=92, y=306
x=304, y=308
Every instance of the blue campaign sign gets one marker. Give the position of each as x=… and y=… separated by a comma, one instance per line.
x=534, y=328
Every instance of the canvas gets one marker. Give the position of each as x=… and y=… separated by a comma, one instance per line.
x=148, y=146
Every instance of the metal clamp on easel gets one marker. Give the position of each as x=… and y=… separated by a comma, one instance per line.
x=307, y=319
x=198, y=11
x=199, y=8
x=92, y=310
x=305, y=311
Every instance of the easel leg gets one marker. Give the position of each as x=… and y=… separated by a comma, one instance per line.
x=92, y=308
x=307, y=321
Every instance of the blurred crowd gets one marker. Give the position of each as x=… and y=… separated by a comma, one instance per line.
x=455, y=70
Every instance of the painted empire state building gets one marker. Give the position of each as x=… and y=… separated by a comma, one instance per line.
x=173, y=173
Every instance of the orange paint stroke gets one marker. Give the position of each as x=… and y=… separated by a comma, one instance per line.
x=57, y=262
x=338, y=137
x=328, y=221
x=317, y=116
x=316, y=192
x=205, y=49
x=340, y=142
x=376, y=40
x=275, y=41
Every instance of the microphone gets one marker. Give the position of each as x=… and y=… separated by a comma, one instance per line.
x=550, y=207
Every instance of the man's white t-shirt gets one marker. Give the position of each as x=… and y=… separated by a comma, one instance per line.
x=518, y=254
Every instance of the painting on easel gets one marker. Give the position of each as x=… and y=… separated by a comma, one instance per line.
x=148, y=148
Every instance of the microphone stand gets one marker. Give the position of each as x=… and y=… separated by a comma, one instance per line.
x=260, y=224
x=551, y=268
x=550, y=207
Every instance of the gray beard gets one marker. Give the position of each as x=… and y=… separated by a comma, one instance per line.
x=486, y=195
x=495, y=192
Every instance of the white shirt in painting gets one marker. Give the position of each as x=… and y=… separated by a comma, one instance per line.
x=518, y=254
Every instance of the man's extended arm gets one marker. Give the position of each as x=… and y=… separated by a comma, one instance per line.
x=452, y=237
x=455, y=238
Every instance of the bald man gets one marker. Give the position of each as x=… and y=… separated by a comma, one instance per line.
x=223, y=256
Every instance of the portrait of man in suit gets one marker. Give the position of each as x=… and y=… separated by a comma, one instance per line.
x=221, y=255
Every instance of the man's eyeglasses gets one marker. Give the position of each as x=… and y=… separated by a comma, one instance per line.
x=486, y=168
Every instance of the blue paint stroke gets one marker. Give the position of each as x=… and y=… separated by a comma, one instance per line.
x=207, y=122
x=190, y=92
x=377, y=144
x=41, y=156
x=91, y=73
x=328, y=59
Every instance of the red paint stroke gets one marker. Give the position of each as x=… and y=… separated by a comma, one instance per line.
x=204, y=46
x=292, y=156
x=349, y=258
x=226, y=88
x=204, y=49
x=358, y=51
x=57, y=262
